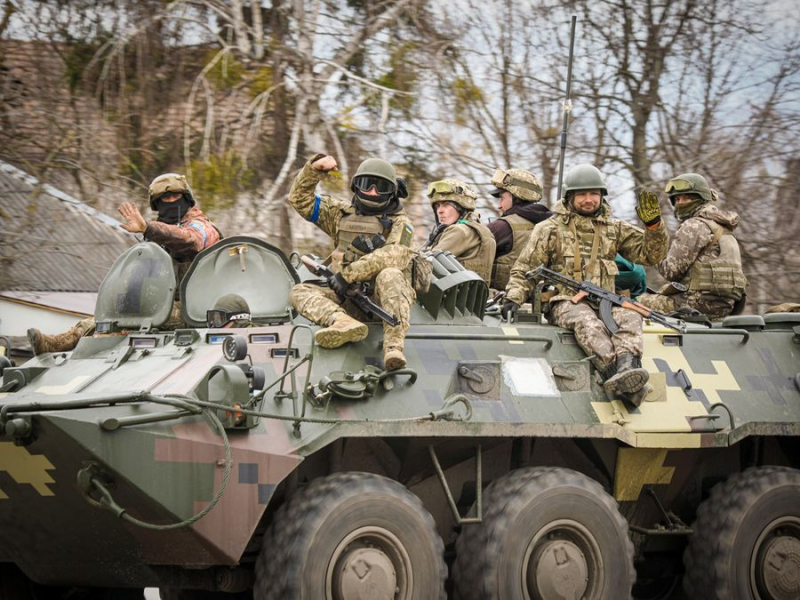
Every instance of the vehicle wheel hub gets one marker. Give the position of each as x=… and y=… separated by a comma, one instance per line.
x=558, y=571
x=781, y=568
x=366, y=573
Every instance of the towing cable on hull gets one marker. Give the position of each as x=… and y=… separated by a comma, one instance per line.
x=94, y=484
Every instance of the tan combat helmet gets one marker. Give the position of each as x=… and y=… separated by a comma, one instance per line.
x=452, y=190
x=522, y=184
x=170, y=183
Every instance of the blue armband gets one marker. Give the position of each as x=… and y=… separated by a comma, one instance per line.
x=315, y=213
x=202, y=230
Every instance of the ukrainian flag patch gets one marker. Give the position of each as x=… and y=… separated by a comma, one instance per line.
x=407, y=237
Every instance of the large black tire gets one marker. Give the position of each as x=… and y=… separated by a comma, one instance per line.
x=546, y=533
x=746, y=540
x=340, y=538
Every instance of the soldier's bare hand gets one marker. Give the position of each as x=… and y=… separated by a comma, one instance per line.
x=326, y=163
x=134, y=221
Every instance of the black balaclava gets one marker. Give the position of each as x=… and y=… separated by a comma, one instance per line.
x=172, y=212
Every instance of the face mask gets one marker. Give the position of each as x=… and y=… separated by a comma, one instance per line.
x=171, y=212
x=686, y=210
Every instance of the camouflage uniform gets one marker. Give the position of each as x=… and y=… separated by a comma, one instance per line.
x=387, y=267
x=584, y=247
x=468, y=240
x=703, y=242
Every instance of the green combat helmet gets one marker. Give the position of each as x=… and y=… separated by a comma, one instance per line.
x=452, y=190
x=227, y=308
x=690, y=184
x=584, y=177
x=170, y=183
x=522, y=184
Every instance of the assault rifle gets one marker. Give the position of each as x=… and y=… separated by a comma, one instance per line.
x=606, y=299
x=355, y=293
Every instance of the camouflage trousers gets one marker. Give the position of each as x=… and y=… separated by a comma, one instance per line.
x=593, y=336
x=392, y=291
x=713, y=307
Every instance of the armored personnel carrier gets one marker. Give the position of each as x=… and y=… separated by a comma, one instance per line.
x=232, y=463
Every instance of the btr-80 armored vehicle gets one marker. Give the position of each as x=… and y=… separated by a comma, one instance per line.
x=221, y=463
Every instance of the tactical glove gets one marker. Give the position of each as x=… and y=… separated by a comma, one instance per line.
x=648, y=208
x=509, y=311
x=339, y=285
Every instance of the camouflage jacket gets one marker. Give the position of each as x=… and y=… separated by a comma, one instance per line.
x=695, y=242
x=184, y=241
x=326, y=213
x=553, y=244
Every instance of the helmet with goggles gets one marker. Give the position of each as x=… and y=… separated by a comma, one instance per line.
x=452, y=190
x=690, y=184
x=521, y=184
x=169, y=183
x=228, y=309
x=375, y=183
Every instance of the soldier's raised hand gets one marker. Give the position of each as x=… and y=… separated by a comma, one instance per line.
x=648, y=209
x=134, y=221
x=326, y=163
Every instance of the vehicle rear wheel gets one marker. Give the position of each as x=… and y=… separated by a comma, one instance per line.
x=547, y=534
x=352, y=535
x=746, y=540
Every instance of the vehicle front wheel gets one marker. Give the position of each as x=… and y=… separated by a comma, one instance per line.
x=547, y=534
x=349, y=536
x=746, y=540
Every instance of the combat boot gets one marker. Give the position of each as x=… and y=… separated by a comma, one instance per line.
x=630, y=376
x=343, y=329
x=393, y=358
x=62, y=342
x=636, y=398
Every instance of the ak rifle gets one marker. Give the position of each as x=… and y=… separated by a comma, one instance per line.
x=355, y=293
x=601, y=296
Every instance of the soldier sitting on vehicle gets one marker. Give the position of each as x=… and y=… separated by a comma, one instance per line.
x=581, y=240
x=458, y=229
x=373, y=238
x=703, y=264
x=519, y=193
x=181, y=229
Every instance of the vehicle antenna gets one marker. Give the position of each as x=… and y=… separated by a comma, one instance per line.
x=567, y=107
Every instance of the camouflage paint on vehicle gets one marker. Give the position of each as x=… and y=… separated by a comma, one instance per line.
x=116, y=414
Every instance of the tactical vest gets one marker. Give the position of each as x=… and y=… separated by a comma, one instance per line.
x=521, y=231
x=721, y=276
x=482, y=261
x=351, y=226
x=585, y=255
x=478, y=259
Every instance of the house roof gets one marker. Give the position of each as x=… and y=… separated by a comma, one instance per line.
x=50, y=241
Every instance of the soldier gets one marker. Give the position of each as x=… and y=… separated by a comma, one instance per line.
x=230, y=311
x=581, y=240
x=519, y=193
x=181, y=229
x=703, y=265
x=373, y=238
x=458, y=229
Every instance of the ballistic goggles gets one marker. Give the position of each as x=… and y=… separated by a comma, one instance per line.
x=445, y=187
x=677, y=186
x=502, y=179
x=218, y=317
x=364, y=183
